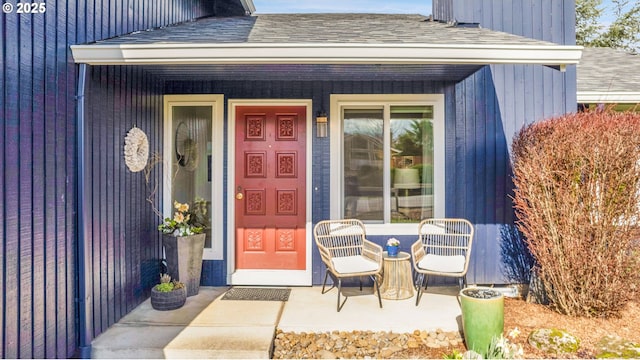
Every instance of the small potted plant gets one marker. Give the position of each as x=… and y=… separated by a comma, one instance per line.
x=392, y=247
x=168, y=295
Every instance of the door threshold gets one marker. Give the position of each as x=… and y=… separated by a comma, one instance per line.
x=271, y=277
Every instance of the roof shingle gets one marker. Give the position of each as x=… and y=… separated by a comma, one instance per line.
x=608, y=70
x=322, y=28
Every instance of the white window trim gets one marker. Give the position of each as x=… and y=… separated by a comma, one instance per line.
x=215, y=252
x=338, y=102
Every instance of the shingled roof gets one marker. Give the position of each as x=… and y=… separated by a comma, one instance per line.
x=607, y=75
x=323, y=39
x=323, y=28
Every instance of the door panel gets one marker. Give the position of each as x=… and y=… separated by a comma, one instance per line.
x=270, y=209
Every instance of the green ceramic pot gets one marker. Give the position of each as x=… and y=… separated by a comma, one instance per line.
x=482, y=317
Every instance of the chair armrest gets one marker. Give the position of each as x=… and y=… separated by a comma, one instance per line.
x=372, y=251
x=326, y=257
x=417, y=252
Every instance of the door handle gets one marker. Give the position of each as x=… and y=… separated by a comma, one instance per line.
x=239, y=196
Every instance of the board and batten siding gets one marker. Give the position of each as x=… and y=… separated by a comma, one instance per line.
x=121, y=230
x=38, y=180
x=492, y=106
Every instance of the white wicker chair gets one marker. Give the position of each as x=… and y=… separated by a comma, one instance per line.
x=443, y=248
x=347, y=253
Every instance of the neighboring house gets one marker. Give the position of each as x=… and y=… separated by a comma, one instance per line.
x=609, y=77
x=421, y=114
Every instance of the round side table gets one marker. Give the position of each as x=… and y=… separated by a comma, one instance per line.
x=397, y=281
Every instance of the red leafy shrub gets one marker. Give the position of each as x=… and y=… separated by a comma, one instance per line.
x=577, y=199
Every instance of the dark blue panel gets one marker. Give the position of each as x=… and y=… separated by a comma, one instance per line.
x=39, y=188
x=11, y=185
x=512, y=96
x=37, y=182
x=25, y=191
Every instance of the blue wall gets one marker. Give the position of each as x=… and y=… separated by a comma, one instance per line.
x=38, y=206
x=491, y=106
x=120, y=232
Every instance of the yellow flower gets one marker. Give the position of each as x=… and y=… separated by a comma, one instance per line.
x=181, y=207
x=178, y=217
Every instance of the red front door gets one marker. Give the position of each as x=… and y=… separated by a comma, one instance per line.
x=270, y=211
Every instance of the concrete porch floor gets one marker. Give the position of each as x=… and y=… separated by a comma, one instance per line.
x=209, y=327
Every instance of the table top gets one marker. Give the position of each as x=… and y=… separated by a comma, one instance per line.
x=401, y=256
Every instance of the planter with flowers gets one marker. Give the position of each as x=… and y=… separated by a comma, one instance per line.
x=393, y=245
x=183, y=242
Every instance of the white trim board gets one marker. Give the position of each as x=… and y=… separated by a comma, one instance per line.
x=329, y=53
x=609, y=97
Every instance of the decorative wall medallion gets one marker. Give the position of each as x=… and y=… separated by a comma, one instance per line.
x=286, y=164
x=285, y=240
x=253, y=239
x=255, y=127
x=286, y=127
x=136, y=149
x=254, y=202
x=255, y=164
x=286, y=200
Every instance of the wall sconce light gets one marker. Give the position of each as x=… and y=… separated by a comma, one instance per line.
x=321, y=124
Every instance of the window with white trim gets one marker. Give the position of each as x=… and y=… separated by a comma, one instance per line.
x=389, y=152
x=193, y=162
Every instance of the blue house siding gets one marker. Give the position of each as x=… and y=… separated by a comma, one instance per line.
x=38, y=184
x=37, y=190
x=121, y=232
x=491, y=106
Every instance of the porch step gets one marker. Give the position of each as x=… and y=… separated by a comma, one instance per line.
x=203, y=328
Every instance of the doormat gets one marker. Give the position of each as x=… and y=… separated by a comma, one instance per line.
x=257, y=294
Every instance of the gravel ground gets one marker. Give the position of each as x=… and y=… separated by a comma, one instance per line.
x=365, y=345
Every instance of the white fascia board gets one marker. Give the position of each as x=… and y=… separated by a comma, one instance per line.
x=257, y=53
x=248, y=6
x=608, y=97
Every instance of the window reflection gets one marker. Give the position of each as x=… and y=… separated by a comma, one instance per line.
x=411, y=163
x=191, y=171
x=363, y=164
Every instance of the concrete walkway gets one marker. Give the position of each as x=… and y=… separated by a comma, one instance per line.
x=209, y=327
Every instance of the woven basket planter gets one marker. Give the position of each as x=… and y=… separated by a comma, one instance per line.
x=168, y=300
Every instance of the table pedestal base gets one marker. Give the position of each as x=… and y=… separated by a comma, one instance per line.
x=397, y=282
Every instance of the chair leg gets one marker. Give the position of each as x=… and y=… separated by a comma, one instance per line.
x=339, y=291
x=421, y=286
x=377, y=285
x=326, y=275
x=324, y=283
